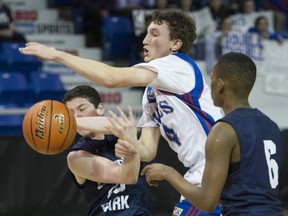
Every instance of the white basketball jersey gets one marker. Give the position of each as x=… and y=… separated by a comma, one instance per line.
x=179, y=102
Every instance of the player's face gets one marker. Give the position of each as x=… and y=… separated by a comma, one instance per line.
x=157, y=42
x=81, y=107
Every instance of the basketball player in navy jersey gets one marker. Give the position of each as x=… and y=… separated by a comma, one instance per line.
x=110, y=185
x=242, y=150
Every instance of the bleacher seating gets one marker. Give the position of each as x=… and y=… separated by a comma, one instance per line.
x=117, y=36
x=12, y=59
x=14, y=88
x=10, y=124
x=47, y=86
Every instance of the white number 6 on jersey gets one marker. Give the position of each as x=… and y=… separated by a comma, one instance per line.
x=270, y=149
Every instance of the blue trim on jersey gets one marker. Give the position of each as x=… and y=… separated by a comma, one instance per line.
x=191, y=99
x=150, y=95
x=185, y=208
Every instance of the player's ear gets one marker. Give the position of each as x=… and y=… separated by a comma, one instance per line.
x=220, y=86
x=100, y=109
x=176, y=45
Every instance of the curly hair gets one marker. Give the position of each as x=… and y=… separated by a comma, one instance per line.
x=182, y=26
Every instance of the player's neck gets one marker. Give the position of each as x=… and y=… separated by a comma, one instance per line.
x=235, y=105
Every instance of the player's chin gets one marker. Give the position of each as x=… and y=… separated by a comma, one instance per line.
x=147, y=58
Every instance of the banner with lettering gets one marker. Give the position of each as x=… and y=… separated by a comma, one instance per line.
x=269, y=56
x=242, y=22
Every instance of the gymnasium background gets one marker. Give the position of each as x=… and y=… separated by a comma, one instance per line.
x=37, y=185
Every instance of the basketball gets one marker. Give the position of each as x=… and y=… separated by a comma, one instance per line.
x=49, y=127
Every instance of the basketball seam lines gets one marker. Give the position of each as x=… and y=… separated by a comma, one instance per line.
x=68, y=132
x=50, y=126
x=31, y=130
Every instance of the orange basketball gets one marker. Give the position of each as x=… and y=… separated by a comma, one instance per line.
x=49, y=127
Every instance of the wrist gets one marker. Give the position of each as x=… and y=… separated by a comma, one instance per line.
x=169, y=171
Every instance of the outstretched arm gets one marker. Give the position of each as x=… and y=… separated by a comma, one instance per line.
x=219, y=147
x=100, y=73
x=97, y=124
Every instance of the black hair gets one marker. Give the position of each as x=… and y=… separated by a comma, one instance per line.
x=83, y=91
x=238, y=69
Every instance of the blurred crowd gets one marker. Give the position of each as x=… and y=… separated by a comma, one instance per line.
x=92, y=11
x=87, y=15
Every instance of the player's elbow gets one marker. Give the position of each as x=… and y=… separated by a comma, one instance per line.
x=148, y=156
x=72, y=159
x=110, y=83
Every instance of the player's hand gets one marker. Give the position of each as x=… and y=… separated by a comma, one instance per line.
x=123, y=127
x=39, y=50
x=155, y=172
x=124, y=149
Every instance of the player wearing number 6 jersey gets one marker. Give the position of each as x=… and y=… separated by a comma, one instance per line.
x=251, y=188
x=242, y=150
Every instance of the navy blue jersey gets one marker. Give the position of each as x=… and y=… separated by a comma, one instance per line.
x=112, y=199
x=252, y=189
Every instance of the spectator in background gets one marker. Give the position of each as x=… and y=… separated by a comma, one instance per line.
x=173, y=4
x=161, y=4
x=148, y=4
x=213, y=43
x=91, y=13
x=191, y=5
x=234, y=6
x=7, y=26
x=128, y=4
x=186, y=5
x=280, y=20
x=261, y=27
x=218, y=10
x=248, y=7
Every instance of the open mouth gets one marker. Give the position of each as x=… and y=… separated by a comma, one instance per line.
x=145, y=51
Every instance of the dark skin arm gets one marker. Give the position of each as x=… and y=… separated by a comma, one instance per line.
x=221, y=145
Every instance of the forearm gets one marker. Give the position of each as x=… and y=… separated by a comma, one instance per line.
x=130, y=169
x=148, y=142
x=194, y=194
x=94, y=124
x=95, y=71
x=147, y=153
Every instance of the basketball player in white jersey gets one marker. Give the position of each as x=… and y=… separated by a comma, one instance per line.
x=176, y=104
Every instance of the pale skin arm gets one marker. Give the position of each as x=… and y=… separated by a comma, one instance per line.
x=148, y=143
x=219, y=147
x=100, y=73
x=97, y=124
x=85, y=165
